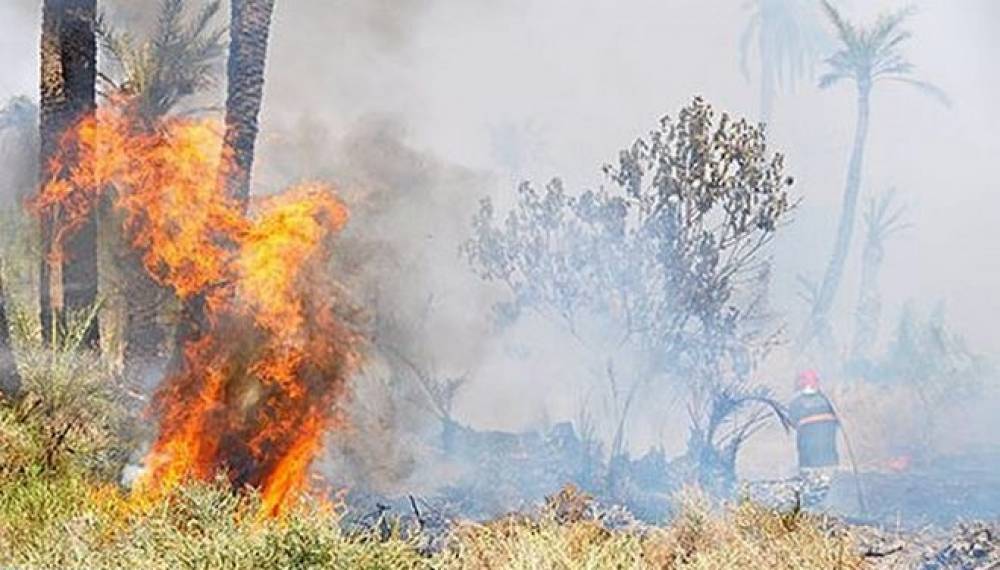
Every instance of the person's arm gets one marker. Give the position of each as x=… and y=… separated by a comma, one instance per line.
x=795, y=412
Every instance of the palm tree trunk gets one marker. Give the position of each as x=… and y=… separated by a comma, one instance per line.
x=819, y=319
x=869, y=309
x=766, y=83
x=249, y=29
x=68, y=71
x=144, y=337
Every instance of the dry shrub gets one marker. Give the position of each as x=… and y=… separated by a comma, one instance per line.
x=747, y=536
x=541, y=544
x=702, y=536
x=569, y=505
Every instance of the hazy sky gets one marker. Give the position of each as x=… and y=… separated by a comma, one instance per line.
x=534, y=89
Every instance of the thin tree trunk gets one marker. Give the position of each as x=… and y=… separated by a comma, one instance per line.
x=68, y=71
x=10, y=380
x=869, y=310
x=819, y=319
x=249, y=30
x=144, y=337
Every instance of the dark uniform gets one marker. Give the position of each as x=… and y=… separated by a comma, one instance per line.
x=816, y=425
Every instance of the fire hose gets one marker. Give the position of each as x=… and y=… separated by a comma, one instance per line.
x=862, y=502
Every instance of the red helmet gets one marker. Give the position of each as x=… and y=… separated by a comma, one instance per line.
x=807, y=379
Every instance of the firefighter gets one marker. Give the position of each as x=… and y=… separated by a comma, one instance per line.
x=816, y=423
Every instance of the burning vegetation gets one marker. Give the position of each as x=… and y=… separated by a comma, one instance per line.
x=261, y=374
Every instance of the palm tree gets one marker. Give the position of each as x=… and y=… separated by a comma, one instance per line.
x=157, y=76
x=249, y=28
x=867, y=56
x=68, y=71
x=790, y=40
x=180, y=60
x=882, y=219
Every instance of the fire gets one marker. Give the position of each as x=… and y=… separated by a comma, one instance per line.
x=260, y=379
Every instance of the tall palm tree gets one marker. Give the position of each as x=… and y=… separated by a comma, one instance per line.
x=790, y=40
x=248, y=30
x=68, y=72
x=867, y=56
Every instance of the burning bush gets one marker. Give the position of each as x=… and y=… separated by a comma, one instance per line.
x=262, y=364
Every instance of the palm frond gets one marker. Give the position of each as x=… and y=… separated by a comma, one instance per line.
x=808, y=289
x=924, y=87
x=873, y=53
x=887, y=26
x=845, y=30
x=182, y=57
x=745, y=38
x=895, y=64
x=790, y=40
x=828, y=79
x=883, y=217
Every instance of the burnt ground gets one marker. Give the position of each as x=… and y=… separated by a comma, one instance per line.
x=940, y=514
x=942, y=493
x=944, y=514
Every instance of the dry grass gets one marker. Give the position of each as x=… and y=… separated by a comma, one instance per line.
x=744, y=536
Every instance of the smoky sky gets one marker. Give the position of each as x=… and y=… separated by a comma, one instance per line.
x=530, y=90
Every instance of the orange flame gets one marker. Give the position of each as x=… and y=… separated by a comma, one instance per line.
x=260, y=384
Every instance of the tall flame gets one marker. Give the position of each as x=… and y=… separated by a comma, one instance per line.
x=259, y=383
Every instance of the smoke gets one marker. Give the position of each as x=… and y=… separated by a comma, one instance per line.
x=462, y=100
